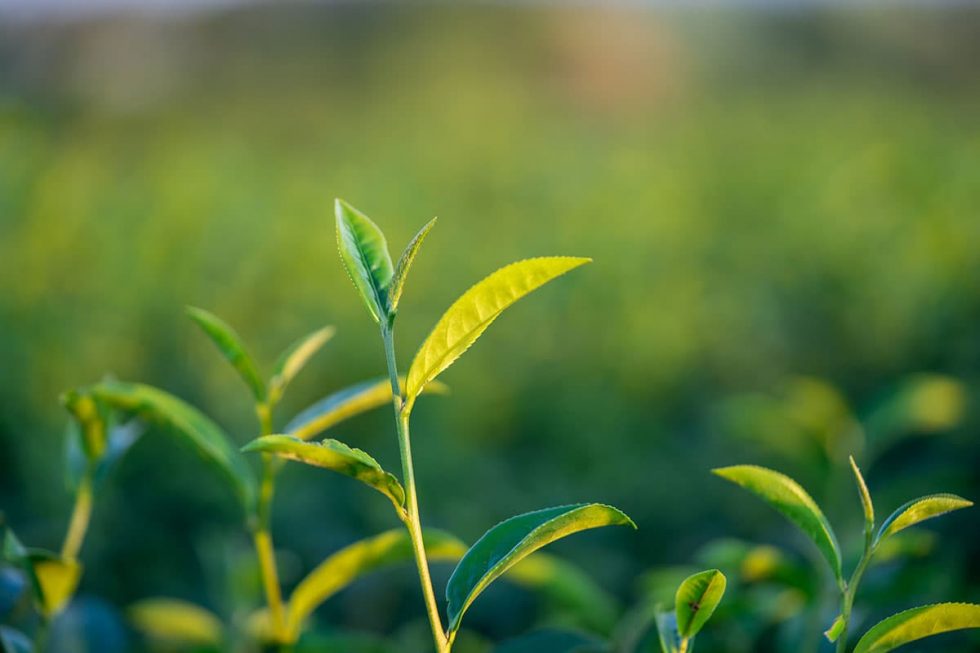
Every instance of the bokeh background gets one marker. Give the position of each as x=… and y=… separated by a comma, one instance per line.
x=783, y=205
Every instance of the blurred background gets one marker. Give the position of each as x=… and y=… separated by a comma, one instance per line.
x=783, y=205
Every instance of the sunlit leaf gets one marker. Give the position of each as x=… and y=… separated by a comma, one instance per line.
x=836, y=629
x=14, y=641
x=231, y=347
x=344, y=404
x=507, y=543
x=785, y=495
x=364, y=252
x=919, y=510
x=294, y=359
x=866, y=504
x=696, y=600
x=918, y=623
x=403, y=266
x=176, y=622
x=56, y=578
x=335, y=456
x=184, y=420
x=475, y=310
x=343, y=567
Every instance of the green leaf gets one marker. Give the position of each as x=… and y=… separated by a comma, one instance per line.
x=785, y=495
x=836, y=629
x=335, y=456
x=90, y=421
x=917, y=623
x=475, y=310
x=184, y=420
x=231, y=347
x=670, y=637
x=176, y=622
x=55, y=580
x=919, y=510
x=294, y=359
x=364, y=252
x=344, y=404
x=404, y=264
x=14, y=641
x=696, y=600
x=866, y=504
x=509, y=542
x=343, y=567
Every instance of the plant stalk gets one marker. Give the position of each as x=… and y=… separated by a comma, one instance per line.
x=412, y=519
x=80, y=516
x=261, y=535
x=850, y=591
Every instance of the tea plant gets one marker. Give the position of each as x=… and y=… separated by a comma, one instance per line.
x=380, y=283
x=789, y=498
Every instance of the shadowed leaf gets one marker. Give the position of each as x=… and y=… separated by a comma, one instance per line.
x=294, y=359
x=231, y=347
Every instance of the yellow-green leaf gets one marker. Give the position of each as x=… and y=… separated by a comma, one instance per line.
x=335, y=456
x=403, y=266
x=343, y=567
x=785, y=495
x=918, y=623
x=230, y=344
x=507, y=543
x=696, y=600
x=56, y=578
x=919, y=510
x=176, y=622
x=475, y=310
x=294, y=359
x=836, y=629
x=866, y=504
x=91, y=423
x=364, y=252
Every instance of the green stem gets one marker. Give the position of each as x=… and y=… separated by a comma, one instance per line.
x=682, y=648
x=850, y=591
x=412, y=520
x=261, y=535
x=80, y=516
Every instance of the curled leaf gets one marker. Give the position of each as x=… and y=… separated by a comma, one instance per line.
x=918, y=623
x=295, y=358
x=866, y=504
x=919, y=510
x=404, y=264
x=230, y=344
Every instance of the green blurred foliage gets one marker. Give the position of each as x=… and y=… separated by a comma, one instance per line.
x=769, y=196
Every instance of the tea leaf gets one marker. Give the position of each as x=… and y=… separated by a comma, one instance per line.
x=404, y=264
x=507, y=543
x=14, y=641
x=231, y=347
x=176, y=622
x=918, y=623
x=919, y=510
x=836, y=629
x=184, y=420
x=55, y=580
x=344, y=404
x=785, y=495
x=91, y=423
x=866, y=504
x=670, y=637
x=364, y=252
x=335, y=456
x=696, y=600
x=475, y=310
x=343, y=567
x=294, y=359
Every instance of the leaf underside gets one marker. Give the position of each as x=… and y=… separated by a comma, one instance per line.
x=918, y=623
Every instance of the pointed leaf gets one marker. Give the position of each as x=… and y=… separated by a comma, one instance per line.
x=404, y=264
x=342, y=405
x=294, y=359
x=866, y=504
x=785, y=495
x=343, y=567
x=917, y=623
x=184, y=420
x=919, y=510
x=475, y=310
x=335, y=456
x=364, y=252
x=670, y=637
x=231, y=347
x=176, y=622
x=56, y=579
x=696, y=600
x=836, y=629
x=509, y=542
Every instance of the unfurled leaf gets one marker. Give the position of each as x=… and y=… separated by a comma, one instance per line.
x=56, y=580
x=836, y=629
x=472, y=313
x=14, y=641
x=670, y=637
x=696, y=600
x=184, y=420
x=231, y=347
x=866, y=503
x=918, y=623
x=335, y=456
x=346, y=403
x=176, y=622
x=364, y=252
x=509, y=542
x=294, y=359
x=343, y=567
x=785, y=495
x=403, y=266
x=919, y=510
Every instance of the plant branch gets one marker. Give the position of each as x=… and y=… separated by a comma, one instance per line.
x=261, y=534
x=850, y=591
x=80, y=517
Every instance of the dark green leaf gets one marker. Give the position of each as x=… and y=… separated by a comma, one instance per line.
x=918, y=623
x=919, y=510
x=696, y=600
x=231, y=347
x=403, y=266
x=364, y=252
